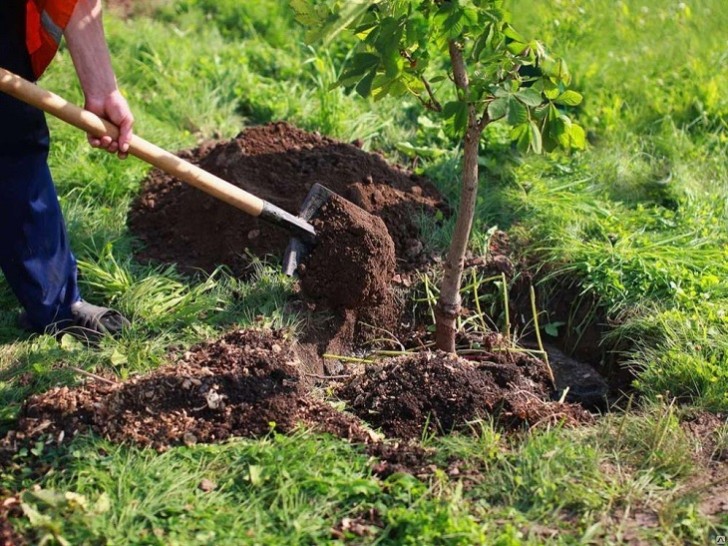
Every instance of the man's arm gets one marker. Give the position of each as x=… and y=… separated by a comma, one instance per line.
x=90, y=54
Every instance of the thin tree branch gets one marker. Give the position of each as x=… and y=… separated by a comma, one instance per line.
x=458, y=66
x=484, y=119
x=433, y=103
x=427, y=104
x=319, y=376
x=90, y=375
x=433, y=100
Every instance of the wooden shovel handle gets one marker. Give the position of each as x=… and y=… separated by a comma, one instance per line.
x=51, y=103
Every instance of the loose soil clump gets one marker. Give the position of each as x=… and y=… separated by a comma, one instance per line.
x=353, y=261
x=278, y=163
x=440, y=392
x=243, y=385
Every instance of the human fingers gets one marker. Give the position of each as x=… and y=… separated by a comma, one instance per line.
x=125, y=132
x=94, y=141
x=106, y=141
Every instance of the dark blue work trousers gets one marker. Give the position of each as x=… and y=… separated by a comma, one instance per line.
x=34, y=252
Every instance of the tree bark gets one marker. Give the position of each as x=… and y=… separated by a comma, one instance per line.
x=448, y=305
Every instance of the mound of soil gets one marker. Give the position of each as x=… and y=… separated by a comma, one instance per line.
x=353, y=261
x=440, y=392
x=242, y=385
x=279, y=163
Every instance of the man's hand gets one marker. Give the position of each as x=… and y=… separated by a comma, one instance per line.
x=114, y=108
x=90, y=54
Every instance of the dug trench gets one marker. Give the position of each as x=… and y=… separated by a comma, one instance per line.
x=250, y=382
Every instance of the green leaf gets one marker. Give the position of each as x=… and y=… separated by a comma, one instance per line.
x=70, y=343
x=552, y=328
x=361, y=64
x=553, y=111
x=395, y=87
x=564, y=74
x=458, y=111
x=498, y=108
x=517, y=48
x=351, y=10
x=496, y=15
x=306, y=13
x=364, y=87
x=517, y=113
x=549, y=143
x=529, y=97
x=536, y=143
x=255, y=474
x=569, y=98
x=450, y=109
x=541, y=111
x=34, y=516
x=416, y=28
x=118, y=358
x=560, y=128
x=577, y=137
x=102, y=504
x=513, y=34
x=501, y=92
x=551, y=91
x=566, y=133
x=363, y=61
x=48, y=497
x=522, y=135
x=450, y=20
x=481, y=42
x=393, y=61
x=411, y=150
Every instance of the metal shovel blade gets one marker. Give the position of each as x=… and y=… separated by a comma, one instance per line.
x=298, y=249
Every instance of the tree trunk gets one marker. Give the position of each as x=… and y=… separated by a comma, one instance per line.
x=448, y=306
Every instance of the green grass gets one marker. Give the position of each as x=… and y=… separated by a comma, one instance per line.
x=543, y=484
x=639, y=219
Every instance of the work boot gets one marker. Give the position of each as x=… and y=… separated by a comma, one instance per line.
x=95, y=322
x=88, y=323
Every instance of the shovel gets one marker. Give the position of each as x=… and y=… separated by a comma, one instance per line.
x=303, y=234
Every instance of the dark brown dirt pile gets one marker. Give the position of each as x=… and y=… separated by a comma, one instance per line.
x=441, y=392
x=245, y=384
x=278, y=162
x=353, y=261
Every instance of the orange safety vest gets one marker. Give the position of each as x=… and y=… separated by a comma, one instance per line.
x=45, y=21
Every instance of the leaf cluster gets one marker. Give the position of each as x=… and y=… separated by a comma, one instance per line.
x=405, y=47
